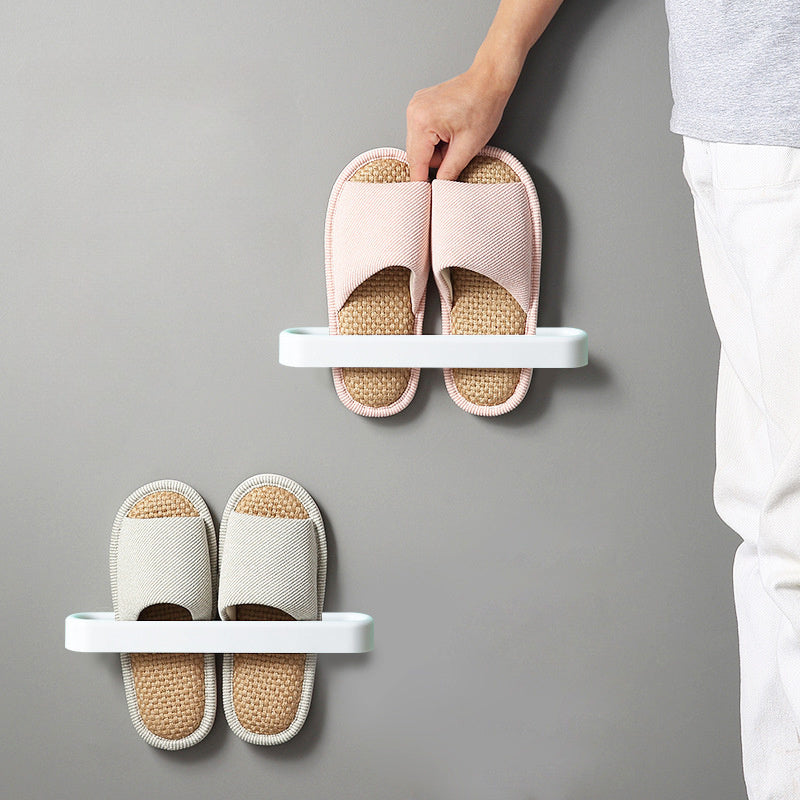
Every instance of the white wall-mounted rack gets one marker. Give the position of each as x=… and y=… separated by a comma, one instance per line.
x=548, y=348
x=336, y=632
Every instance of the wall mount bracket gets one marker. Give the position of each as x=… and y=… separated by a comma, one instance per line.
x=336, y=632
x=548, y=348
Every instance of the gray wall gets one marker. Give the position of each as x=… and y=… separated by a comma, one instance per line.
x=551, y=589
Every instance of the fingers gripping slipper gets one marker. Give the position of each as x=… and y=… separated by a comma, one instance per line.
x=486, y=238
x=376, y=266
x=273, y=561
x=163, y=567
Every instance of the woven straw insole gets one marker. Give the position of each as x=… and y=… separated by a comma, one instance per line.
x=267, y=687
x=380, y=305
x=170, y=687
x=481, y=306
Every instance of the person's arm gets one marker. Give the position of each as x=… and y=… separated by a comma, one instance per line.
x=449, y=123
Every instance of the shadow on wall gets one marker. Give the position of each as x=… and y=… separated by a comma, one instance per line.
x=541, y=84
x=521, y=132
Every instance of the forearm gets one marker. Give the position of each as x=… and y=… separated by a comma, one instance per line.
x=517, y=26
x=449, y=123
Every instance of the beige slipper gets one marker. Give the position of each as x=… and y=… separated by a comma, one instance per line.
x=163, y=567
x=273, y=560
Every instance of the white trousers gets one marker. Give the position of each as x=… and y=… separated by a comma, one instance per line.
x=747, y=207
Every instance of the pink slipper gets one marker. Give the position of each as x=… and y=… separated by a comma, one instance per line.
x=376, y=265
x=486, y=245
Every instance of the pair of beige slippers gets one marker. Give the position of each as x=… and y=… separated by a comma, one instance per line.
x=164, y=567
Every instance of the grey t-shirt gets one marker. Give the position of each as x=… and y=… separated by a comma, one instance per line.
x=735, y=67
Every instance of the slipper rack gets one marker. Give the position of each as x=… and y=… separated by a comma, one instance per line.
x=549, y=348
x=336, y=632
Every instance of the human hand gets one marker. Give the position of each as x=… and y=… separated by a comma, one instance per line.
x=448, y=124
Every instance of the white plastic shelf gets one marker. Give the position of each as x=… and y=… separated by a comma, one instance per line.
x=336, y=632
x=549, y=348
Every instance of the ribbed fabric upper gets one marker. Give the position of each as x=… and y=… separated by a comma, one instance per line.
x=379, y=225
x=486, y=228
x=735, y=67
x=270, y=561
x=163, y=560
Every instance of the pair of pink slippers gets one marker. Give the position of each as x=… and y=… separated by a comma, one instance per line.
x=480, y=236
